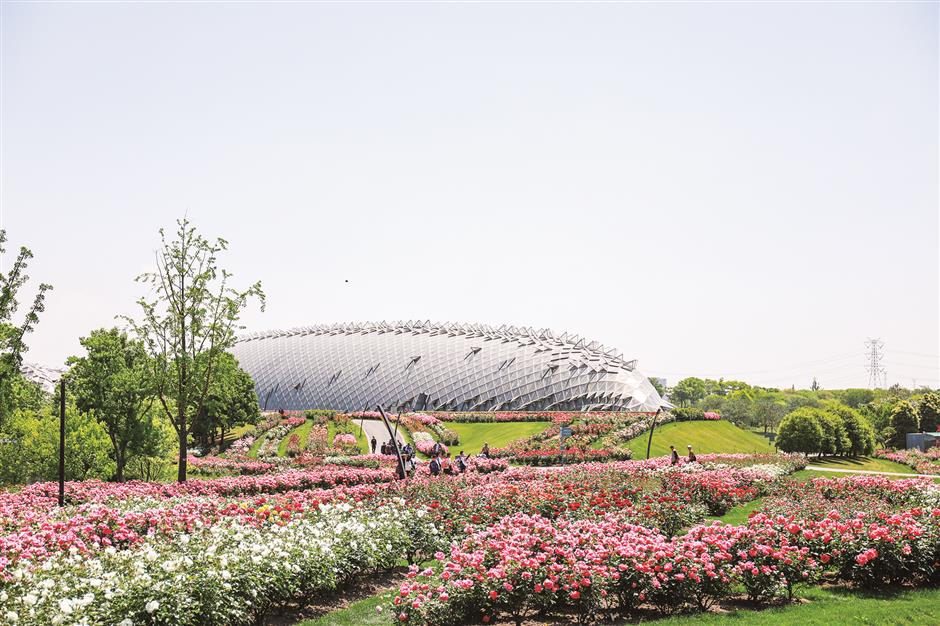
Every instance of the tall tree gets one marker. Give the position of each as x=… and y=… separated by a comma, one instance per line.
x=800, y=431
x=688, y=391
x=12, y=334
x=114, y=384
x=929, y=411
x=231, y=402
x=188, y=323
x=904, y=419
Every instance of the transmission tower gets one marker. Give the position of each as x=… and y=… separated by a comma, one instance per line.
x=877, y=377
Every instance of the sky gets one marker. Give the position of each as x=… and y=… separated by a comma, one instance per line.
x=745, y=191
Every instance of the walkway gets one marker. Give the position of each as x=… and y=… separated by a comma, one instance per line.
x=376, y=428
x=849, y=471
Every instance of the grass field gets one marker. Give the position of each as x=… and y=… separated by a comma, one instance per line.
x=821, y=606
x=705, y=437
x=865, y=463
x=302, y=431
x=498, y=435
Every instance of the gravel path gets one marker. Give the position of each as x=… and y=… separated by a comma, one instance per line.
x=850, y=471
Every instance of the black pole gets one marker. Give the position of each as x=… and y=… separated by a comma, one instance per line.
x=62, y=442
x=649, y=444
x=401, y=462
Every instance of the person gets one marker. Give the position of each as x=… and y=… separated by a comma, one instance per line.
x=674, y=455
x=446, y=466
x=384, y=448
x=691, y=454
x=409, y=450
x=434, y=466
x=485, y=452
x=461, y=462
x=374, y=443
x=438, y=449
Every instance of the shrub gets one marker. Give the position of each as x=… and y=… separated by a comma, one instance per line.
x=800, y=431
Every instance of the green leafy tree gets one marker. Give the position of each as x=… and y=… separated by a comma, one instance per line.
x=688, y=391
x=658, y=385
x=114, y=384
x=29, y=450
x=769, y=409
x=855, y=398
x=800, y=431
x=188, y=324
x=928, y=409
x=904, y=419
x=835, y=440
x=231, y=402
x=858, y=430
x=13, y=334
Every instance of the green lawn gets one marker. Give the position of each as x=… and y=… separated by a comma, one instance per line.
x=825, y=607
x=303, y=431
x=705, y=437
x=866, y=463
x=497, y=434
x=739, y=514
x=829, y=606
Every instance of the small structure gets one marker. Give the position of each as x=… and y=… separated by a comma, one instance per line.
x=922, y=441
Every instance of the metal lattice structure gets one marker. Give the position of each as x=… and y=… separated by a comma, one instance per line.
x=445, y=367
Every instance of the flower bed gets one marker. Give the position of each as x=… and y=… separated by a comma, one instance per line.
x=920, y=462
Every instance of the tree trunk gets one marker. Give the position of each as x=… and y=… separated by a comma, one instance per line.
x=221, y=438
x=181, y=469
x=119, y=461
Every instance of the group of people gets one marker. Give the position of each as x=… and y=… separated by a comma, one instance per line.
x=442, y=462
x=675, y=455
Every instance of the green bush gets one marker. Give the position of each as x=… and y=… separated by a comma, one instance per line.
x=801, y=431
x=688, y=414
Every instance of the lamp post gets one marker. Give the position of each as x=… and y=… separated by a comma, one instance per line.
x=649, y=444
x=62, y=441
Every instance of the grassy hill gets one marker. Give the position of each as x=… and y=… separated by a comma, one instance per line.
x=705, y=437
x=498, y=435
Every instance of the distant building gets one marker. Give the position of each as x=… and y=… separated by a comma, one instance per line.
x=922, y=441
x=45, y=377
x=449, y=367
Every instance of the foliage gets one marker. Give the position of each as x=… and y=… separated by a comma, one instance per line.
x=188, y=324
x=801, y=431
x=231, y=402
x=688, y=391
x=29, y=448
x=13, y=334
x=904, y=419
x=860, y=434
x=929, y=411
x=112, y=383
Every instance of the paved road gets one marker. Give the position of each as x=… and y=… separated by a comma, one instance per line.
x=849, y=471
x=375, y=428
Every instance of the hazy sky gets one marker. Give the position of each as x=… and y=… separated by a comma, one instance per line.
x=736, y=190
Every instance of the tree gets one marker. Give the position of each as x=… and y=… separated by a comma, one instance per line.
x=904, y=419
x=12, y=335
x=835, y=440
x=113, y=383
x=188, y=324
x=769, y=409
x=859, y=432
x=928, y=410
x=658, y=385
x=29, y=450
x=231, y=402
x=855, y=398
x=688, y=391
x=800, y=431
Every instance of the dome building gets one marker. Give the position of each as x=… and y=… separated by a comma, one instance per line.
x=415, y=366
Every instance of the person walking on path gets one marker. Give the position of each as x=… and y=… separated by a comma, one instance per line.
x=374, y=443
x=691, y=454
x=675, y=455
